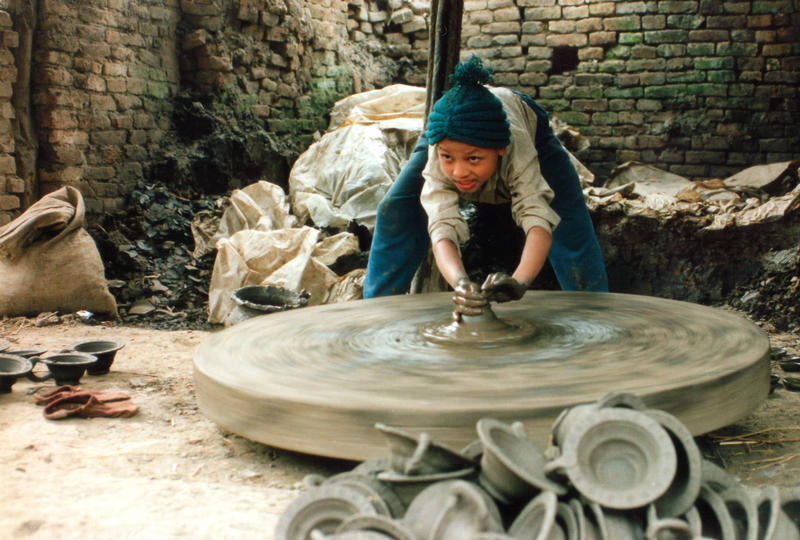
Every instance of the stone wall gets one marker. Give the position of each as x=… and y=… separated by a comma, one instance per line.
x=121, y=91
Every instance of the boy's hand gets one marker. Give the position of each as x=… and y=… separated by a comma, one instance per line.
x=501, y=287
x=468, y=299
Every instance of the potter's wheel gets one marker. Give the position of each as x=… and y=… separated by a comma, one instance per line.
x=318, y=379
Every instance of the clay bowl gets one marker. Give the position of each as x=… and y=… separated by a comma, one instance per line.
x=68, y=368
x=791, y=364
x=4, y=345
x=452, y=510
x=512, y=467
x=12, y=367
x=383, y=497
x=537, y=519
x=104, y=350
x=410, y=455
x=323, y=509
x=619, y=457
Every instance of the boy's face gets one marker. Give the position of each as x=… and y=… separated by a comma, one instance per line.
x=467, y=166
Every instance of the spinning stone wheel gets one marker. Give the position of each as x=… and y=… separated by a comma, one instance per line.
x=318, y=379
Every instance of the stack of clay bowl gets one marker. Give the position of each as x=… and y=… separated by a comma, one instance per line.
x=616, y=470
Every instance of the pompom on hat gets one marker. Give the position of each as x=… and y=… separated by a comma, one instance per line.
x=469, y=112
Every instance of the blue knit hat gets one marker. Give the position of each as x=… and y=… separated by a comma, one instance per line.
x=469, y=112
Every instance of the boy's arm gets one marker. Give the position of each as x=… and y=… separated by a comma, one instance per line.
x=534, y=253
x=449, y=262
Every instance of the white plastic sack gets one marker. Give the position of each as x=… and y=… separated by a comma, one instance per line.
x=343, y=176
x=261, y=206
x=294, y=259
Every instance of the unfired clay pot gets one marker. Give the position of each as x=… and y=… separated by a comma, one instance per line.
x=452, y=510
x=12, y=367
x=618, y=457
x=512, y=467
x=537, y=519
x=743, y=512
x=321, y=509
x=411, y=455
x=685, y=486
x=714, y=515
x=68, y=367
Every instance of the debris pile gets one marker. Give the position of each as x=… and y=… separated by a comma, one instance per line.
x=147, y=253
x=615, y=469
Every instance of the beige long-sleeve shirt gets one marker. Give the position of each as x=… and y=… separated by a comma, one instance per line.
x=517, y=180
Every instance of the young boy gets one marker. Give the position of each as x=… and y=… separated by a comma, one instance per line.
x=489, y=145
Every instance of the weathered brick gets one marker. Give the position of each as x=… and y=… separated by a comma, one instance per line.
x=627, y=23
x=603, y=38
x=542, y=13
x=666, y=36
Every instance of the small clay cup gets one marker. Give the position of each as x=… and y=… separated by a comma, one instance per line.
x=714, y=515
x=103, y=349
x=323, y=509
x=383, y=497
x=12, y=367
x=452, y=510
x=512, y=467
x=68, y=368
x=537, y=519
x=410, y=455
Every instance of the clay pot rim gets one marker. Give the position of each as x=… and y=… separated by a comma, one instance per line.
x=24, y=365
x=537, y=479
x=660, y=478
x=84, y=359
x=394, y=477
x=546, y=499
x=680, y=504
x=27, y=353
x=302, y=511
x=113, y=346
x=383, y=524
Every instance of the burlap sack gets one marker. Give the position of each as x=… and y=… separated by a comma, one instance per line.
x=48, y=262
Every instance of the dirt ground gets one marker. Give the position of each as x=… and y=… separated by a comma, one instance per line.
x=170, y=472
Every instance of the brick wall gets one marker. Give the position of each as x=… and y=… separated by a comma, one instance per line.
x=11, y=185
x=702, y=88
